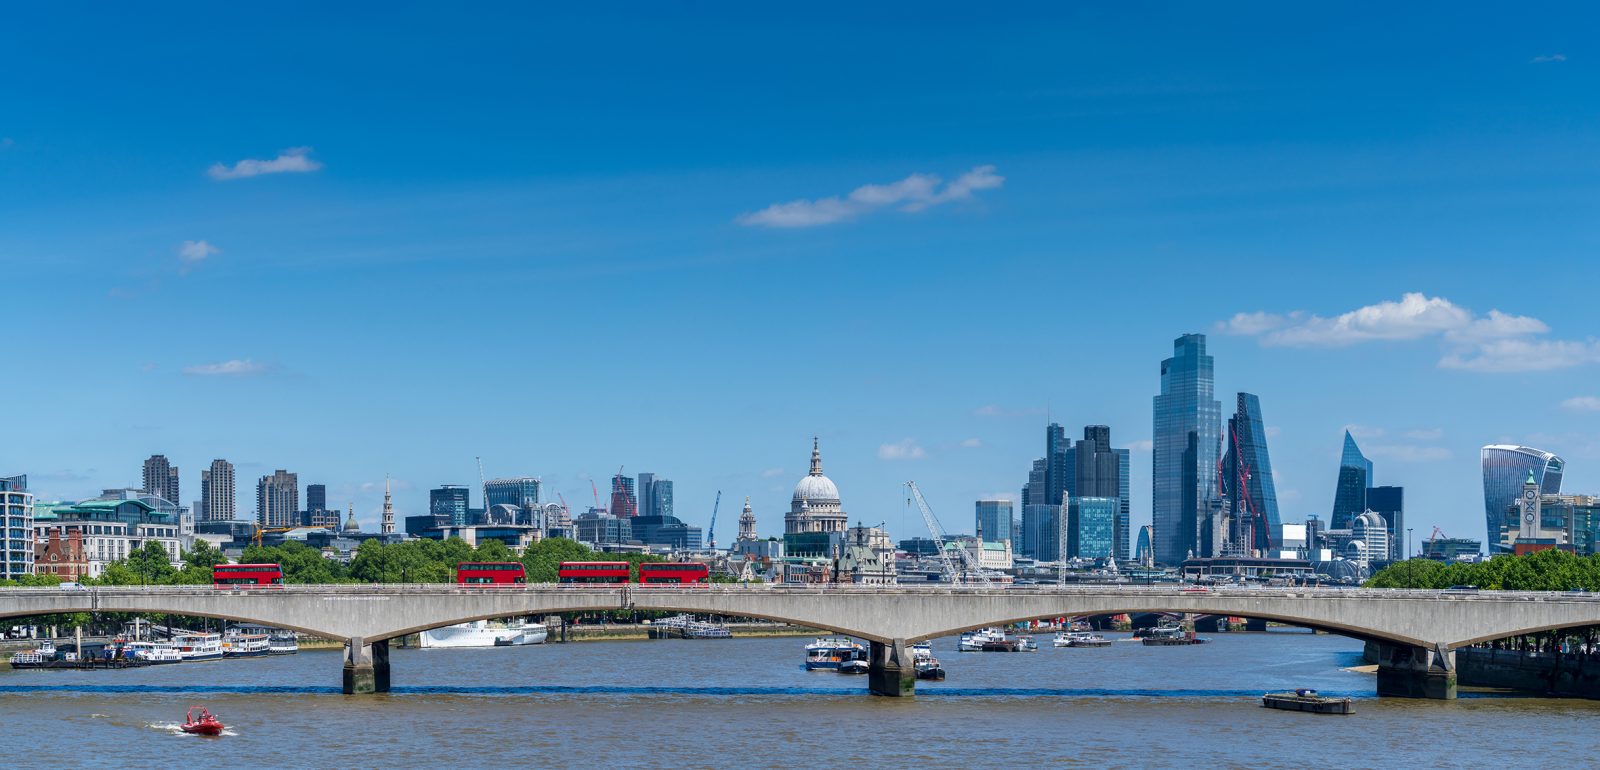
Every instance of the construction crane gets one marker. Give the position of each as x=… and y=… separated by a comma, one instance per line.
x=483, y=488
x=596, y=491
x=1437, y=533
x=276, y=530
x=937, y=532
x=714, y=508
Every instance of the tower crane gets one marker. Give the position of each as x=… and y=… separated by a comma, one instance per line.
x=596, y=491
x=937, y=532
x=483, y=488
x=714, y=508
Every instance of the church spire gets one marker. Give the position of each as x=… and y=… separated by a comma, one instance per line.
x=388, y=508
x=816, y=457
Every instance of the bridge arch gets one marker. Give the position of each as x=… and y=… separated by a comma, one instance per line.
x=265, y=619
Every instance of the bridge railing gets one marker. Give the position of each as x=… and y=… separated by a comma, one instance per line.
x=805, y=589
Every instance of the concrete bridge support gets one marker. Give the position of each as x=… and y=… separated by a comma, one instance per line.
x=1406, y=671
x=1255, y=624
x=366, y=667
x=891, y=671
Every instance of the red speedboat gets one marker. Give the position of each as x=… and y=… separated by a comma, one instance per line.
x=205, y=725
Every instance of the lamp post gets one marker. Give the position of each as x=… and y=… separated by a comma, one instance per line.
x=1408, y=542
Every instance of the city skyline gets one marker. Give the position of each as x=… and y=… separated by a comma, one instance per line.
x=810, y=250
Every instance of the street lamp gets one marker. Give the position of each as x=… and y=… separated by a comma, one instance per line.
x=1408, y=542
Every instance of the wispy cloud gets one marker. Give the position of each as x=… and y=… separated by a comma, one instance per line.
x=192, y=253
x=1493, y=342
x=914, y=193
x=295, y=160
x=237, y=367
x=1141, y=446
x=904, y=449
x=1426, y=434
x=972, y=443
x=1364, y=431
x=772, y=473
x=1582, y=404
x=1407, y=453
x=1555, y=57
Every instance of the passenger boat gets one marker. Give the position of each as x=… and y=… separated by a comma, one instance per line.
x=282, y=644
x=155, y=653
x=482, y=633
x=1080, y=639
x=205, y=724
x=974, y=641
x=244, y=645
x=1170, y=636
x=854, y=667
x=1305, y=699
x=830, y=653
x=37, y=657
x=196, y=646
x=924, y=664
x=1025, y=643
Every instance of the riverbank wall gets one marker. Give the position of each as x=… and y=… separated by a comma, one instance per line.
x=1549, y=673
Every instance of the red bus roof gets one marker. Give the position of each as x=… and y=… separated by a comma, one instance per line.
x=605, y=563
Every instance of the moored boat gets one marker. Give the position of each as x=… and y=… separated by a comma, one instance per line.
x=1308, y=700
x=483, y=633
x=854, y=667
x=924, y=665
x=195, y=646
x=1170, y=636
x=245, y=645
x=831, y=653
x=974, y=641
x=1080, y=639
x=282, y=644
x=155, y=653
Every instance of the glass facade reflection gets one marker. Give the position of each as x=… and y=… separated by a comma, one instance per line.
x=1092, y=525
x=1188, y=426
x=1505, y=468
x=1248, y=470
x=1355, y=476
x=994, y=520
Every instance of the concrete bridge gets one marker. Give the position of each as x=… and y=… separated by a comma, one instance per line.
x=1416, y=631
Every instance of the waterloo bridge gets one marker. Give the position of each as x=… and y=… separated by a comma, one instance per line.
x=1417, y=632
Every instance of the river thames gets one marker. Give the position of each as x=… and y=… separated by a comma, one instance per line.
x=749, y=702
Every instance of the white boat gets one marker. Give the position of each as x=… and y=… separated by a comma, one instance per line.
x=921, y=650
x=282, y=644
x=1080, y=639
x=833, y=652
x=482, y=633
x=194, y=646
x=973, y=641
x=155, y=652
x=244, y=645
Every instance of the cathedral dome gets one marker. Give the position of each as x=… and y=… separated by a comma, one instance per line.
x=816, y=488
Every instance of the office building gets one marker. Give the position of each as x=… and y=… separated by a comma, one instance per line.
x=1368, y=546
x=1247, y=474
x=1451, y=548
x=217, y=492
x=1099, y=470
x=1041, y=528
x=1350, y=494
x=666, y=530
x=1390, y=503
x=655, y=495
x=161, y=478
x=1143, y=552
x=448, y=504
x=316, y=497
x=16, y=528
x=112, y=526
x=1187, y=422
x=1505, y=467
x=623, y=502
x=519, y=492
x=1059, y=465
x=1033, y=493
x=601, y=529
x=1091, y=526
x=994, y=520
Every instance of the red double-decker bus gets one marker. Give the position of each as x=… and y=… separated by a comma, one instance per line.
x=246, y=575
x=490, y=573
x=602, y=572
x=658, y=573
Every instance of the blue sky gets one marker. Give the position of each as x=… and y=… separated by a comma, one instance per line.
x=390, y=238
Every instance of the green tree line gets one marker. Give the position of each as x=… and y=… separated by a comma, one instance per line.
x=1550, y=570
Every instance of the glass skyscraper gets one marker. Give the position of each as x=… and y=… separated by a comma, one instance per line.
x=1188, y=424
x=1041, y=531
x=994, y=520
x=16, y=528
x=520, y=492
x=1091, y=526
x=1355, y=476
x=448, y=504
x=1247, y=470
x=1505, y=469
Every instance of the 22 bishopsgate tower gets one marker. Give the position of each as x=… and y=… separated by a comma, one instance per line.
x=1187, y=431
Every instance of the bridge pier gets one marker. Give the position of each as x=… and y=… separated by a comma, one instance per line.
x=1405, y=671
x=891, y=671
x=366, y=667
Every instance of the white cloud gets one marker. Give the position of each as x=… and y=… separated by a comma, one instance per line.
x=1410, y=454
x=904, y=449
x=192, y=253
x=295, y=160
x=914, y=193
x=1426, y=434
x=972, y=443
x=772, y=473
x=1495, y=342
x=237, y=367
x=1582, y=404
x=1273, y=431
x=1142, y=445
x=1555, y=57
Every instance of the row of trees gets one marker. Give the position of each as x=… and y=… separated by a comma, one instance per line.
x=1550, y=570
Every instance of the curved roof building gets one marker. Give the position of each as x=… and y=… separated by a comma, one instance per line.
x=1505, y=468
x=815, y=506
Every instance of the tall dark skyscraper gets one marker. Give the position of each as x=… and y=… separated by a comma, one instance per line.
x=1033, y=493
x=1247, y=472
x=1389, y=502
x=654, y=495
x=1355, y=475
x=316, y=497
x=1059, y=465
x=161, y=478
x=1188, y=424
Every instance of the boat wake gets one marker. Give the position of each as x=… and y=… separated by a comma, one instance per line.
x=176, y=728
